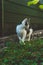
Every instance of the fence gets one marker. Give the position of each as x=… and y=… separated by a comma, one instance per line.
x=14, y=13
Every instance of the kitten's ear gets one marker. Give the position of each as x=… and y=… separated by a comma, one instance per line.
x=25, y=19
x=29, y=19
x=23, y=22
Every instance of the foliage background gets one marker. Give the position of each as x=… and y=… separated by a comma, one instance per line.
x=16, y=54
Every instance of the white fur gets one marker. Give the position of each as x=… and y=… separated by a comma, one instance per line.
x=29, y=34
x=22, y=33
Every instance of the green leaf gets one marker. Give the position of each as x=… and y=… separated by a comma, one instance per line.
x=5, y=60
x=41, y=6
x=35, y=1
x=34, y=63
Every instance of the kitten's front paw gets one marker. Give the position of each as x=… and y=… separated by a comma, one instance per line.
x=22, y=43
x=28, y=39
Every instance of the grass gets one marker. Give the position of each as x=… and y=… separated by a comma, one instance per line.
x=16, y=54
